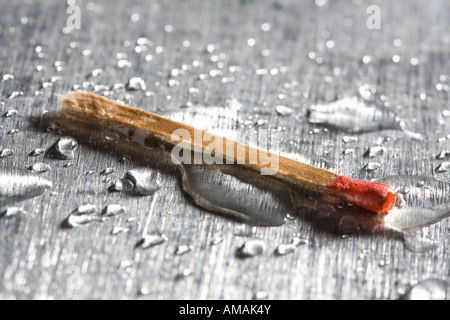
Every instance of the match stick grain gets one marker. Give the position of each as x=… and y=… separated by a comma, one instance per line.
x=90, y=107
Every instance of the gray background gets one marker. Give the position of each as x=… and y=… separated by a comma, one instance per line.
x=262, y=53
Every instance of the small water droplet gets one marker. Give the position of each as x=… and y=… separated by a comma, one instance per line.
x=151, y=240
x=107, y=171
x=367, y=92
x=326, y=210
x=121, y=185
x=372, y=166
x=83, y=215
x=217, y=240
x=183, y=249
x=144, y=180
x=283, y=110
x=136, y=83
x=444, y=154
x=396, y=58
x=6, y=153
x=375, y=151
x=113, y=210
x=249, y=197
x=123, y=63
x=261, y=295
x=63, y=149
x=7, y=77
x=40, y=167
x=96, y=72
x=118, y=230
x=10, y=113
x=420, y=184
x=11, y=212
x=284, y=249
x=429, y=289
x=112, y=136
x=15, y=94
x=251, y=248
x=347, y=139
x=350, y=114
x=348, y=224
x=366, y=59
x=443, y=167
x=37, y=152
x=13, y=131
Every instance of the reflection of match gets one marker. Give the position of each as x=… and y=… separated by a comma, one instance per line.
x=90, y=107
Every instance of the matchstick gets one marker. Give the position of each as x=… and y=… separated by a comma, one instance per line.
x=89, y=107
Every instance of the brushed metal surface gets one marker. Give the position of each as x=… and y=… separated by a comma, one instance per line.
x=193, y=54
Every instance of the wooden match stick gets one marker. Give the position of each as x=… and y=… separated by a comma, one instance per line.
x=90, y=107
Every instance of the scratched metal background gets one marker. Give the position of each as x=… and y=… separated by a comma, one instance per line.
x=262, y=53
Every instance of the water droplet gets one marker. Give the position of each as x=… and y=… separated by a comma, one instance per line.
x=122, y=185
x=261, y=122
x=443, y=167
x=350, y=114
x=17, y=185
x=396, y=58
x=367, y=92
x=144, y=180
x=372, y=166
x=40, y=167
x=183, y=249
x=123, y=63
x=217, y=240
x=251, y=248
x=320, y=3
x=414, y=61
x=326, y=210
x=404, y=190
x=119, y=230
x=107, y=171
x=151, y=240
x=444, y=154
x=417, y=241
x=136, y=83
x=7, y=77
x=347, y=139
x=426, y=203
x=6, y=153
x=375, y=151
x=13, y=131
x=284, y=249
x=113, y=210
x=10, y=113
x=420, y=184
x=429, y=289
x=250, y=197
x=96, y=72
x=84, y=214
x=367, y=59
x=283, y=110
x=15, y=94
x=265, y=27
x=348, y=224
x=37, y=152
x=112, y=136
x=63, y=149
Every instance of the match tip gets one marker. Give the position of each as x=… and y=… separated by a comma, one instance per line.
x=373, y=196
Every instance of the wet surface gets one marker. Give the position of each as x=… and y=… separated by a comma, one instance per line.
x=88, y=212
